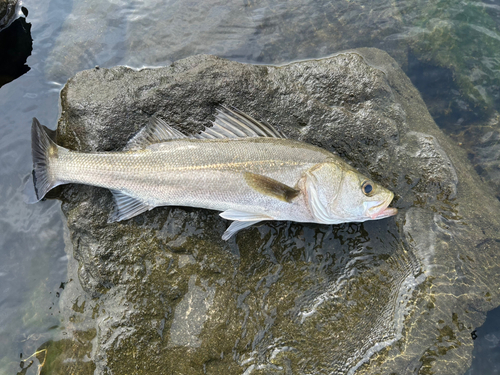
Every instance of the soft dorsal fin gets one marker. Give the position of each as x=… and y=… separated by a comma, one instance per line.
x=156, y=131
x=233, y=123
x=270, y=187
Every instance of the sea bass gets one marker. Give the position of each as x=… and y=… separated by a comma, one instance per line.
x=240, y=166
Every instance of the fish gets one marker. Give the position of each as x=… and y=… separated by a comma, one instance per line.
x=240, y=166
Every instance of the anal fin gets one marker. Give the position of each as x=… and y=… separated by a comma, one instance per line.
x=126, y=207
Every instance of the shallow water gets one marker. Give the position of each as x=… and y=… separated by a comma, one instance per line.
x=71, y=36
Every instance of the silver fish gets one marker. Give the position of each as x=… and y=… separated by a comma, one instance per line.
x=240, y=166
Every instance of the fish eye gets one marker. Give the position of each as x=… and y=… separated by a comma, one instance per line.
x=367, y=188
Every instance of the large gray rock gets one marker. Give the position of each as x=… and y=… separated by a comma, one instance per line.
x=164, y=293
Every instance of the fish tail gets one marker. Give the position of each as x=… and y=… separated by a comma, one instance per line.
x=43, y=150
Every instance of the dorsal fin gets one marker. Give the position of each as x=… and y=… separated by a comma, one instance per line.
x=156, y=131
x=233, y=123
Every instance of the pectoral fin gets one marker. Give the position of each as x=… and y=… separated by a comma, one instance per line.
x=270, y=187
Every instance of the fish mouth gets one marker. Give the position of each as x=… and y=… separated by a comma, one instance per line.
x=382, y=210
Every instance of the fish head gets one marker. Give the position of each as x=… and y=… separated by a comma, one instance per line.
x=337, y=193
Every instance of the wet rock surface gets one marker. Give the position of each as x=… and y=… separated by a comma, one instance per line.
x=165, y=294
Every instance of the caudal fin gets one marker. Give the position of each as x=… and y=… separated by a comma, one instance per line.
x=43, y=148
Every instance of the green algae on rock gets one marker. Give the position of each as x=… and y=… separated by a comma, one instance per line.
x=398, y=295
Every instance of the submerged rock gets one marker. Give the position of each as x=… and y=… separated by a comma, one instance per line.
x=482, y=142
x=462, y=41
x=400, y=295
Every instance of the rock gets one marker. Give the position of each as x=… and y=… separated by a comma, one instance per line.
x=8, y=12
x=16, y=45
x=399, y=295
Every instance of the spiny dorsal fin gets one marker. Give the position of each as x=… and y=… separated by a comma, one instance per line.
x=233, y=123
x=268, y=186
x=156, y=131
x=127, y=207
